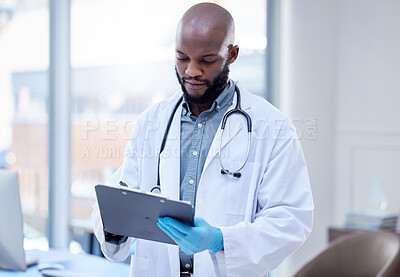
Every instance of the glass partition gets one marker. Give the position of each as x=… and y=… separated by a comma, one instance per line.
x=24, y=52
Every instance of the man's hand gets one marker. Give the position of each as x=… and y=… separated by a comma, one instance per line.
x=114, y=239
x=195, y=239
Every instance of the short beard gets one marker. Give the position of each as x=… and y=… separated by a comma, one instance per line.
x=213, y=89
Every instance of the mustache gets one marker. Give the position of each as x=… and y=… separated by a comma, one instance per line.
x=208, y=84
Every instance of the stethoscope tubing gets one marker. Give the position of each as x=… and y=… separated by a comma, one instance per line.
x=237, y=109
x=226, y=171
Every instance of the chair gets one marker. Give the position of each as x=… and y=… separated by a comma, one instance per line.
x=369, y=253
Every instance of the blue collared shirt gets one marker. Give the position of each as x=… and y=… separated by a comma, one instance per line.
x=196, y=137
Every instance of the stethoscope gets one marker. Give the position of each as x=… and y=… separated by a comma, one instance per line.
x=224, y=171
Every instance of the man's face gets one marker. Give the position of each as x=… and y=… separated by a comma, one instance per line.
x=212, y=91
x=202, y=64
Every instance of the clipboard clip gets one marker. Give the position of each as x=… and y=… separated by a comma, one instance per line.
x=125, y=187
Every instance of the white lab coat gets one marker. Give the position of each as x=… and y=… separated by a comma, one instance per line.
x=264, y=216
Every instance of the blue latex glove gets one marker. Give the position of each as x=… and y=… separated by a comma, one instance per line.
x=195, y=239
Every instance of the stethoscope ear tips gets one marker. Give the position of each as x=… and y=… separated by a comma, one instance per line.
x=236, y=174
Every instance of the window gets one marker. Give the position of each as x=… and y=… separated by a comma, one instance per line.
x=23, y=111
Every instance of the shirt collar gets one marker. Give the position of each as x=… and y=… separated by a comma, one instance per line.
x=224, y=98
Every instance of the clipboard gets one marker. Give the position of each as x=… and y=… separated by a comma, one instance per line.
x=134, y=213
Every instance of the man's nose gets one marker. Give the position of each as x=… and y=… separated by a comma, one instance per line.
x=193, y=70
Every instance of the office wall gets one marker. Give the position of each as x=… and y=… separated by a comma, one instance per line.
x=306, y=91
x=367, y=111
x=337, y=62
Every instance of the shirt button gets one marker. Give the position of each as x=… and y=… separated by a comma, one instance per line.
x=194, y=153
x=199, y=125
x=191, y=181
x=187, y=265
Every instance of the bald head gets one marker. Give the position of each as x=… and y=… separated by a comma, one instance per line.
x=204, y=51
x=205, y=18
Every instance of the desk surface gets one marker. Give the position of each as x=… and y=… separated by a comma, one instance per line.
x=82, y=264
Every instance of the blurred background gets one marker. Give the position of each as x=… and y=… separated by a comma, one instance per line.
x=331, y=65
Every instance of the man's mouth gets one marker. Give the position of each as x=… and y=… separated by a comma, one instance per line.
x=195, y=85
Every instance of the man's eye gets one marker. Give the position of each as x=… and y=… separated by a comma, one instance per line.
x=209, y=62
x=181, y=59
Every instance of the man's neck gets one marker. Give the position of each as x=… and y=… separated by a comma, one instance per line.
x=197, y=109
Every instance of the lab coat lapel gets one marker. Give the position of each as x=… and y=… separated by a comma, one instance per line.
x=170, y=175
x=170, y=158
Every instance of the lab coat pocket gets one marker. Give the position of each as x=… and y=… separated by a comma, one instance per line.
x=139, y=266
x=241, y=191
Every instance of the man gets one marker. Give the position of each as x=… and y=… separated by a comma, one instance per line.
x=245, y=225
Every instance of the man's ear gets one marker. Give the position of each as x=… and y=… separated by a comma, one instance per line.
x=233, y=53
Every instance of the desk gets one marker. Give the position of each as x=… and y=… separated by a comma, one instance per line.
x=82, y=263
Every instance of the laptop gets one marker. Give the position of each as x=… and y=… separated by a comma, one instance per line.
x=12, y=254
